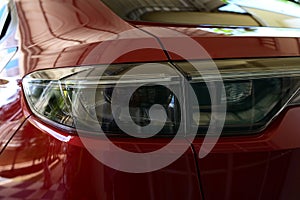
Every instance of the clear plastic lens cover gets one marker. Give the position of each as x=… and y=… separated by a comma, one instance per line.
x=83, y=97
x=117, y=95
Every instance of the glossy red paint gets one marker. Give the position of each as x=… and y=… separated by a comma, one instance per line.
x=37, y=165
x=41, y=161
x=264, y=166
x=78, y=35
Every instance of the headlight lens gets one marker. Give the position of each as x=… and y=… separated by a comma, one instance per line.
x=83, y=95
x=256, y=91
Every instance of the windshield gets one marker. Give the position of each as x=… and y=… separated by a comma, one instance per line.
x=273, y=13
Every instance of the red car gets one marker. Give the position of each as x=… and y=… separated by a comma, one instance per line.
x=150, y=99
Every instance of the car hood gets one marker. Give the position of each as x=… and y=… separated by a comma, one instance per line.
x=58, y=34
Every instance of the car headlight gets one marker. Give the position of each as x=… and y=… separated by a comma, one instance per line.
x=256, y=91
x=83, y=95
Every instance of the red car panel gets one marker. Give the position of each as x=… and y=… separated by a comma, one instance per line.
x=261, y=167
x=36, y=165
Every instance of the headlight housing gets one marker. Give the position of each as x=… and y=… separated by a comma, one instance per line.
x=256, y=91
